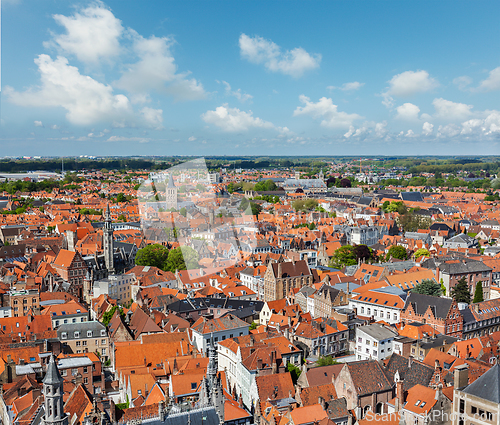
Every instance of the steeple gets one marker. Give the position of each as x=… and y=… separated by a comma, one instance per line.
x=53, y=396
x=171, y=194
x=107, y=236
x=212, y=364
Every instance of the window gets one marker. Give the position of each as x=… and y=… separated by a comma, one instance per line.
x=103, y=342
x=77, y=343
x=103, y=351
x=64, y=335
x=462, y=406
x=85, y=380
x=103, y=332
x=77, y=334
x=84, y=343
x=85, y=369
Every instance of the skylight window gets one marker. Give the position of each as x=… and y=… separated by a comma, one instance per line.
x=418, y=402
x=385, y=302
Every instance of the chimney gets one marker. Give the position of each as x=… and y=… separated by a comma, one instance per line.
x=259, y=363
x=280, y=272
x=399, y=395
x=461, y=376
x=274, y=366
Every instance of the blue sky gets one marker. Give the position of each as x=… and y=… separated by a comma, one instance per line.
x=250, y=78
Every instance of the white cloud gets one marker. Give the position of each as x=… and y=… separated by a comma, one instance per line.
x=94, y=135
x=238, y=94
x=156, y=71
x=128, y=139
x=355, y=85
x=450, y=130
x=192, y=139
x=55, y=127
x=492, y=82
x=409, y=83
x=427, y=128
x=234, y=120
x=153, y=117
x=488, y=126
x=462, y=82
x=86, y=100
x=410, y=133
x=369, y=128
x=38, y=124
x=291, y=62
x=407, y=112
x=451, y=111
x=326, y=110
x=92, y=34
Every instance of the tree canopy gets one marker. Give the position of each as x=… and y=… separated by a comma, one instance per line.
x=428, y=287
x=349, y=255
x=461, y=292
x=397, y=251
x=154, y=255
x=478, y=293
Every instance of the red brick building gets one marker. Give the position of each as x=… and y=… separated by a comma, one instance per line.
x=72, y=269
x=442, y=314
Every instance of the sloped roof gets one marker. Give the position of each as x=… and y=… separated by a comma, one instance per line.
x=486, y=386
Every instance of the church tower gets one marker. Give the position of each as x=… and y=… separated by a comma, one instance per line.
x=211, y=391
x=171, y=194
x=53, y=396
x=107, y=238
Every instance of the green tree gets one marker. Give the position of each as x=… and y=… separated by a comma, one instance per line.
x=422, y=251
x=428, y=287
x=183, y=211
x=294, y=372
x=343, y=256
x=154, y=255
x=443, y=288
x=182, y=258
x=326, y=361
x=121, y=197
x=461, y=292
x=312, y=226
x=108, y=315
x=253, y=326
x=397, y=251
x=478, y=294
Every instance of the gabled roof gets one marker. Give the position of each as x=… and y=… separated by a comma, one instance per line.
x=368, y=377
x=420, y=303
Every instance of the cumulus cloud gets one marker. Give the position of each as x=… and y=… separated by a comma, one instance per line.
x=355, y=85
x=325, y=109
x=85, y=100
x=92, y=34
x=156, y=71
x=238, y=94
x=234, y=120
x=448, y=131
x=427, y=128
x=373, y=129
x=293, y=62
x=55, y=127
x=38, y=124
x=451, y=111
x=492, y=82
x=192, y=139
x=153, y=117
x=409, y=83
x=407, y=112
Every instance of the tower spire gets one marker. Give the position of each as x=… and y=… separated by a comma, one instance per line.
x=107, y=235
x=53, y=396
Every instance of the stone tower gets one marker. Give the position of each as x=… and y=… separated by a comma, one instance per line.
x=211, y=391
x=171, y=194
x=53, y=396
x=107, y=239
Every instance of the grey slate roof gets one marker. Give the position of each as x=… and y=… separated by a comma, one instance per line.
x=487, y=386
x=440, y=306
x=52, y=377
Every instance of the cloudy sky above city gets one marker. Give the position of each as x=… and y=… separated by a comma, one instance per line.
x=250, y=78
